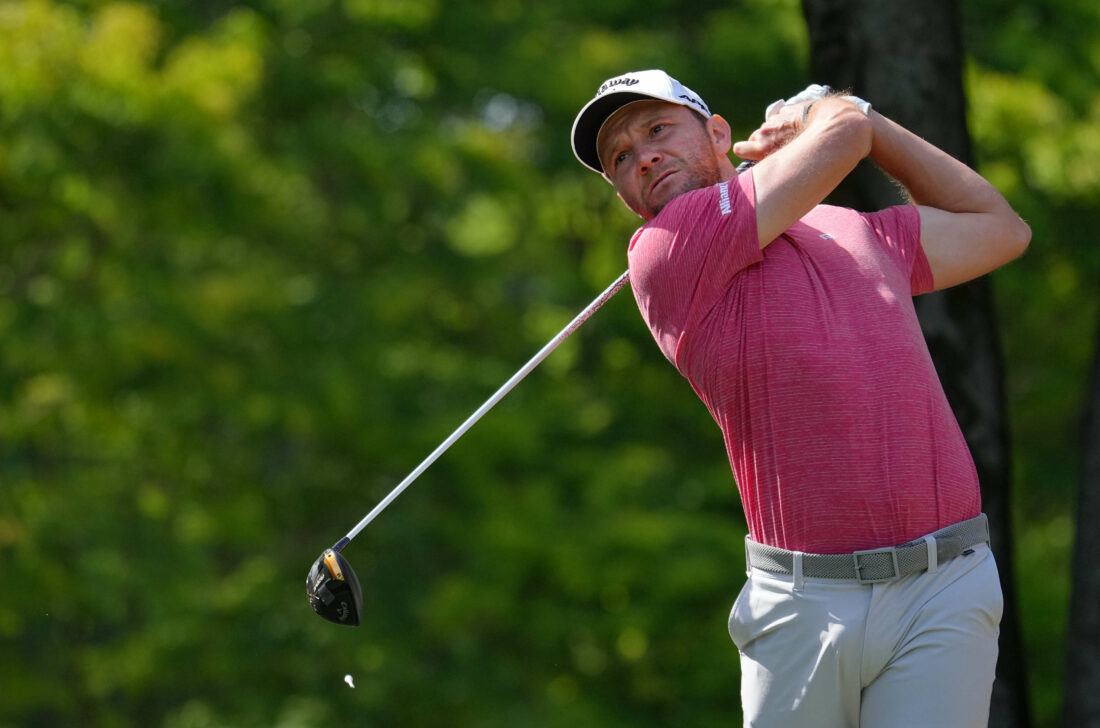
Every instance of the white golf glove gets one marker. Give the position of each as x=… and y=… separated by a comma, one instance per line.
x=810, y=93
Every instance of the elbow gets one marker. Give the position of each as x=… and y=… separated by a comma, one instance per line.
x=1009, y=235
x=1017, y=238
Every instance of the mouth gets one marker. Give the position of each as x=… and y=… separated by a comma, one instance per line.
x=657, y=182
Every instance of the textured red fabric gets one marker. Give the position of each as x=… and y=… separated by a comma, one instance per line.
x=809, y=356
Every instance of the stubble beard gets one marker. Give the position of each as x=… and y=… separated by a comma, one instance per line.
x=697, y=171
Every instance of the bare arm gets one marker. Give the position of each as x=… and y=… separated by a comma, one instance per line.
x=967, y=226
x=803, y=159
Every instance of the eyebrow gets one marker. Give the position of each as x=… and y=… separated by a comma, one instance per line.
x=641, y=121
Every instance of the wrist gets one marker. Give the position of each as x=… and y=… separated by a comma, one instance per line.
x=815, y=92
x=864, y=106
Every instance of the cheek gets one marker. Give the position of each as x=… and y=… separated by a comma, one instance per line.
x=706, y=167
x=626, y=187
x=632, y=199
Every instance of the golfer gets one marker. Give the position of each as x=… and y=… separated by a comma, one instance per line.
x=872, y=597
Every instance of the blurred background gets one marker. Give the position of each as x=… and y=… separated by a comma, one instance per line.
x=258, y=259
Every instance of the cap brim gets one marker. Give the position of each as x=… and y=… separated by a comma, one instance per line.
x=587, y=127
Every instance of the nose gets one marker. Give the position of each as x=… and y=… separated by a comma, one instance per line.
x=647, y=159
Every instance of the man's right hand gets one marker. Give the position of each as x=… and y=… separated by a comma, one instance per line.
x=783, y=125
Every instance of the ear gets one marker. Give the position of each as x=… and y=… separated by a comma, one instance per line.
x=721, y=138
x=720, y=134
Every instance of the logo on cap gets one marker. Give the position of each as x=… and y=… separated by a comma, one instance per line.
x=696, y=101
x=623, y=81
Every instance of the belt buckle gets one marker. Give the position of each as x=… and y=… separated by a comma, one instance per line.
x=869, y=552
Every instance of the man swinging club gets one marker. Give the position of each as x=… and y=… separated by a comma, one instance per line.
x=872, y=597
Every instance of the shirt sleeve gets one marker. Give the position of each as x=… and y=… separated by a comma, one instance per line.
x=683, y=260
x=899, y=229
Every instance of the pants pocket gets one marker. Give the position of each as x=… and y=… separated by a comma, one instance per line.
x=738, y=621
x=766, y=606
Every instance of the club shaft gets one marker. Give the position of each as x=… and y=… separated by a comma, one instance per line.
x=488, y=405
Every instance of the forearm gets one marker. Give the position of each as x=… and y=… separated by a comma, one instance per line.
x=929, y=175
x=967, y=227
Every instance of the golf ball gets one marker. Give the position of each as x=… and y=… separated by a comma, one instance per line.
x=349, y=681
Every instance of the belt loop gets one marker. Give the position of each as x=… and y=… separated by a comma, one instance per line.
x=933, y=557
x=796, y=571
x=748, y=557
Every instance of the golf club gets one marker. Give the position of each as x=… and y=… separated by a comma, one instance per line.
x=332, y=586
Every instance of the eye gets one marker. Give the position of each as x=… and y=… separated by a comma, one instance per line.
x=619, y=159
x=657, y=129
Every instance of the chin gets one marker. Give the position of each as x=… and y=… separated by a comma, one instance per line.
x=670, y=193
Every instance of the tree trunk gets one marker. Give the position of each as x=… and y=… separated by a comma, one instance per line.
x=1081, y=707
x=907, y=61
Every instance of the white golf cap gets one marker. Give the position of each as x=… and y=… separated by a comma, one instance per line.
x=617, y=92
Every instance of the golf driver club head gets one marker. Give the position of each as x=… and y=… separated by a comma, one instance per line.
x=333, y=589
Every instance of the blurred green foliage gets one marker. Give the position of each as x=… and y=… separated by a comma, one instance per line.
x=1035, y=120
x=258, y=259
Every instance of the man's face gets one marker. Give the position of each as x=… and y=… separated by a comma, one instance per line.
x=653, y=151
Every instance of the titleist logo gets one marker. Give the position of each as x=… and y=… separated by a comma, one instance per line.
x=624, y=81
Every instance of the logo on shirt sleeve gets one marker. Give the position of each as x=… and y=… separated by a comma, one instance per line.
x=724, y=198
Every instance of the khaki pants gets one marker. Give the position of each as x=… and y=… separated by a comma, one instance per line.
x=916, y=652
